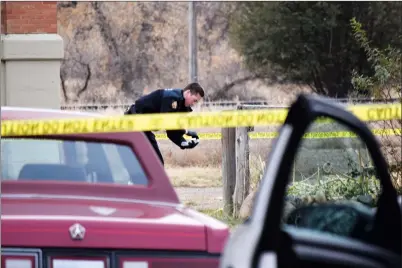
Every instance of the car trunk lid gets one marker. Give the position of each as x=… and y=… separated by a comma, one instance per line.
x=42, y=222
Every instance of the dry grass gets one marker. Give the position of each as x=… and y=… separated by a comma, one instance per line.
x=209, y=152
x=206, y=154
x=194, y=176
x=218, y=214
x=199, y=168
x=197, y=173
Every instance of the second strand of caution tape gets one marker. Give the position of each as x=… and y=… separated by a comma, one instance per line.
x=310, y=135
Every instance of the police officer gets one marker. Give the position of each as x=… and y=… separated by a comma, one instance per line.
x=167, y=101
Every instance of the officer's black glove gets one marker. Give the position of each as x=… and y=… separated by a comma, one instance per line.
x=192, y=134
x=189, y=144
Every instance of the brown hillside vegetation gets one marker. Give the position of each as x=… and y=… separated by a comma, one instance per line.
x=116, y=51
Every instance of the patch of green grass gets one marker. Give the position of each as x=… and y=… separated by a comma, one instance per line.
x=219, y=215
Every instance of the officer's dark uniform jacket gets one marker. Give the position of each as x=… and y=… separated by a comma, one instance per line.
x=162, y=101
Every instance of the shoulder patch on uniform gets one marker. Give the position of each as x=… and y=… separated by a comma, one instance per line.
x=174, y=105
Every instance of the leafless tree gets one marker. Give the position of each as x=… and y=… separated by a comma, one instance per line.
x=116, y=50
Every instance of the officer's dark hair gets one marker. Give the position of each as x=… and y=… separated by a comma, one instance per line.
x=195, y=88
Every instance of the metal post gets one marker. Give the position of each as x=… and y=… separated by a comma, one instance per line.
x=192, y=42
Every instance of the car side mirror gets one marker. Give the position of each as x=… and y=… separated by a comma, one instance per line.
x=353, y=220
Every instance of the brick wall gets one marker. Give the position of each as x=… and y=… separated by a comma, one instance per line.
x=3, y=17
x=28, y=17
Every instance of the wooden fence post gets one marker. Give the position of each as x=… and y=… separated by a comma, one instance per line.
x=228, y=167
x=242, y=186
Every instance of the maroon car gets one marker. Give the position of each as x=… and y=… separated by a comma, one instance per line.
x=95, y=200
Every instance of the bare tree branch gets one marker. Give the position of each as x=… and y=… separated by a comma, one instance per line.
x=63, y=87
x=115, y=50
x=223, y=91
x=87, y=78
x=65, y=4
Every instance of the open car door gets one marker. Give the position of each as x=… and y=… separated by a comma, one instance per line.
x=335, y=231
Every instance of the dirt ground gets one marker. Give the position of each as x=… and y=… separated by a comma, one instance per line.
x=201, y=198
x=198, y=187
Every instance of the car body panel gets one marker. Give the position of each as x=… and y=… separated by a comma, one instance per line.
x=109, y=224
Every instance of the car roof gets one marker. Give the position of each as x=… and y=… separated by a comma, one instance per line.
x=15, y=112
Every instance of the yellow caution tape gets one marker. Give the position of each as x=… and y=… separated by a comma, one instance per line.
x=310, y=135
x=377, y=112
x=170, y=121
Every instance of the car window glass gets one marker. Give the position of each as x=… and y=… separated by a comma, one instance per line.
x=90, y=162
x=332, y=166
x=117, y=168
x=15, y=153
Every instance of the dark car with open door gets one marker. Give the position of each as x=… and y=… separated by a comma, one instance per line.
x=337, y=233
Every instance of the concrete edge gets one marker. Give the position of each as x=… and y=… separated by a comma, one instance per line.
x=32, y=47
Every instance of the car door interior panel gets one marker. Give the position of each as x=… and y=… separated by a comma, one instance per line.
x=314, y=248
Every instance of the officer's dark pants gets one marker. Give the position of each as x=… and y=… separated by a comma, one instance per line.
x=154, y=143
x=148, y=134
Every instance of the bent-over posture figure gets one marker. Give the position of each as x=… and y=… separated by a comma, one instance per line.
x=167, y=101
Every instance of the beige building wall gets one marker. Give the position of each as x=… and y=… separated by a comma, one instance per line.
x=31, y=53
x=31, y=67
